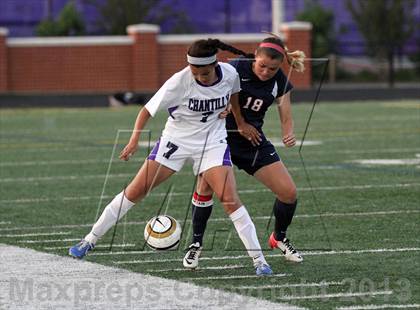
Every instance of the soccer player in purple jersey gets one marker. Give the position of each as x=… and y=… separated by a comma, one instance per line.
x=194, y=98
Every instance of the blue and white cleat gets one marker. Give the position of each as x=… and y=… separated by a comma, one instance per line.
x=262, y=269
x=81, y=249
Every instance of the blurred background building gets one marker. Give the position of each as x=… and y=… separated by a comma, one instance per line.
x=366, y=41
x=218, y=16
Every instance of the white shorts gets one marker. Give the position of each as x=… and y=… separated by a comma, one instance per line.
x=174, y=155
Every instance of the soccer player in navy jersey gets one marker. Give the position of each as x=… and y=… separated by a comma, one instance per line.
x=262, y=84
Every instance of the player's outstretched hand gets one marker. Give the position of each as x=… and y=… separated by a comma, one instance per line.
x=129, y=150
x=289, y=140
x=250, y=133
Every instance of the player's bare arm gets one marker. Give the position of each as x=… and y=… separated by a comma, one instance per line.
x=133, y=144
x=286, y=120
x=246, y=130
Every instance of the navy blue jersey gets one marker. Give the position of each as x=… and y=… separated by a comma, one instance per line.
x=256, y=96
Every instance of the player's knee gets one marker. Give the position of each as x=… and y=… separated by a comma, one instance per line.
x=230, y=202
x=132, y=196
x=289, y=195
x=230, y=206
x=135, y=194
x=204, y=189
x=228, y=199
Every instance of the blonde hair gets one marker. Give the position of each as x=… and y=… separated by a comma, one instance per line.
x=295, y=59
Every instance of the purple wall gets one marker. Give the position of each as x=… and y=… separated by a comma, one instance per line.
x=21, y=17
x=245, y=15
x=349, y=39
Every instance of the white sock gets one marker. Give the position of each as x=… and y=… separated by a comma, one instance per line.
x=246, y=231
x=109, y=216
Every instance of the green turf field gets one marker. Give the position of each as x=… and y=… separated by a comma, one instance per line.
x=357, y=222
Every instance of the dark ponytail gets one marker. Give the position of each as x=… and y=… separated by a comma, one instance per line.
x=226, y=47
x=209, y=47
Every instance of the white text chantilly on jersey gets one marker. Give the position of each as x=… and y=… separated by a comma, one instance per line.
x=205, y=105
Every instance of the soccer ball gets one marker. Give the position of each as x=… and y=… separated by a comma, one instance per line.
x=162, y=232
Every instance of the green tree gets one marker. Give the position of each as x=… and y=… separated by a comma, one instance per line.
x=69, y=22
x=386, y=25
x=116, y=15
x=323, y=34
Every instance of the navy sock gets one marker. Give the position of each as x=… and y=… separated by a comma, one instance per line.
x=200, y=218
x=201, y=211
x=283, y=213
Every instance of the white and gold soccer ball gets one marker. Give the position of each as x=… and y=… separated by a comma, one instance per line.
x=162, y=232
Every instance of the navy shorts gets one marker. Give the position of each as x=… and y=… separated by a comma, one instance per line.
x=250, y=158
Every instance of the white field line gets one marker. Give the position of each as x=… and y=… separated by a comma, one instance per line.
x=329, y=214
x=309, y=284
x=298, y=142
x=341, y=119
x=384, y=306
x=391, y=150
x=127, y=175
x=224, y=219
x=365, y=251
x=129, y=262
x=387, y=162
x=337, y=295
x=5, y=223
x=334, y=188
x=140, y=159
x=199, y=268
x=243, y=192
x=54, y=148
x=59, y=233
x=235, y=277
x=47, y=241
x=40, y=149
x=319, y=253
x=140, y=252
x=130, y=175
x=99, y=246
x=64, y=178
x=54, y=226
x=335, y=117
x=135, y=252
x=80, y=177
x=57, y=162
x=143, y=145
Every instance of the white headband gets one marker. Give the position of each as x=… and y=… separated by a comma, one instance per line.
x=201, y=61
